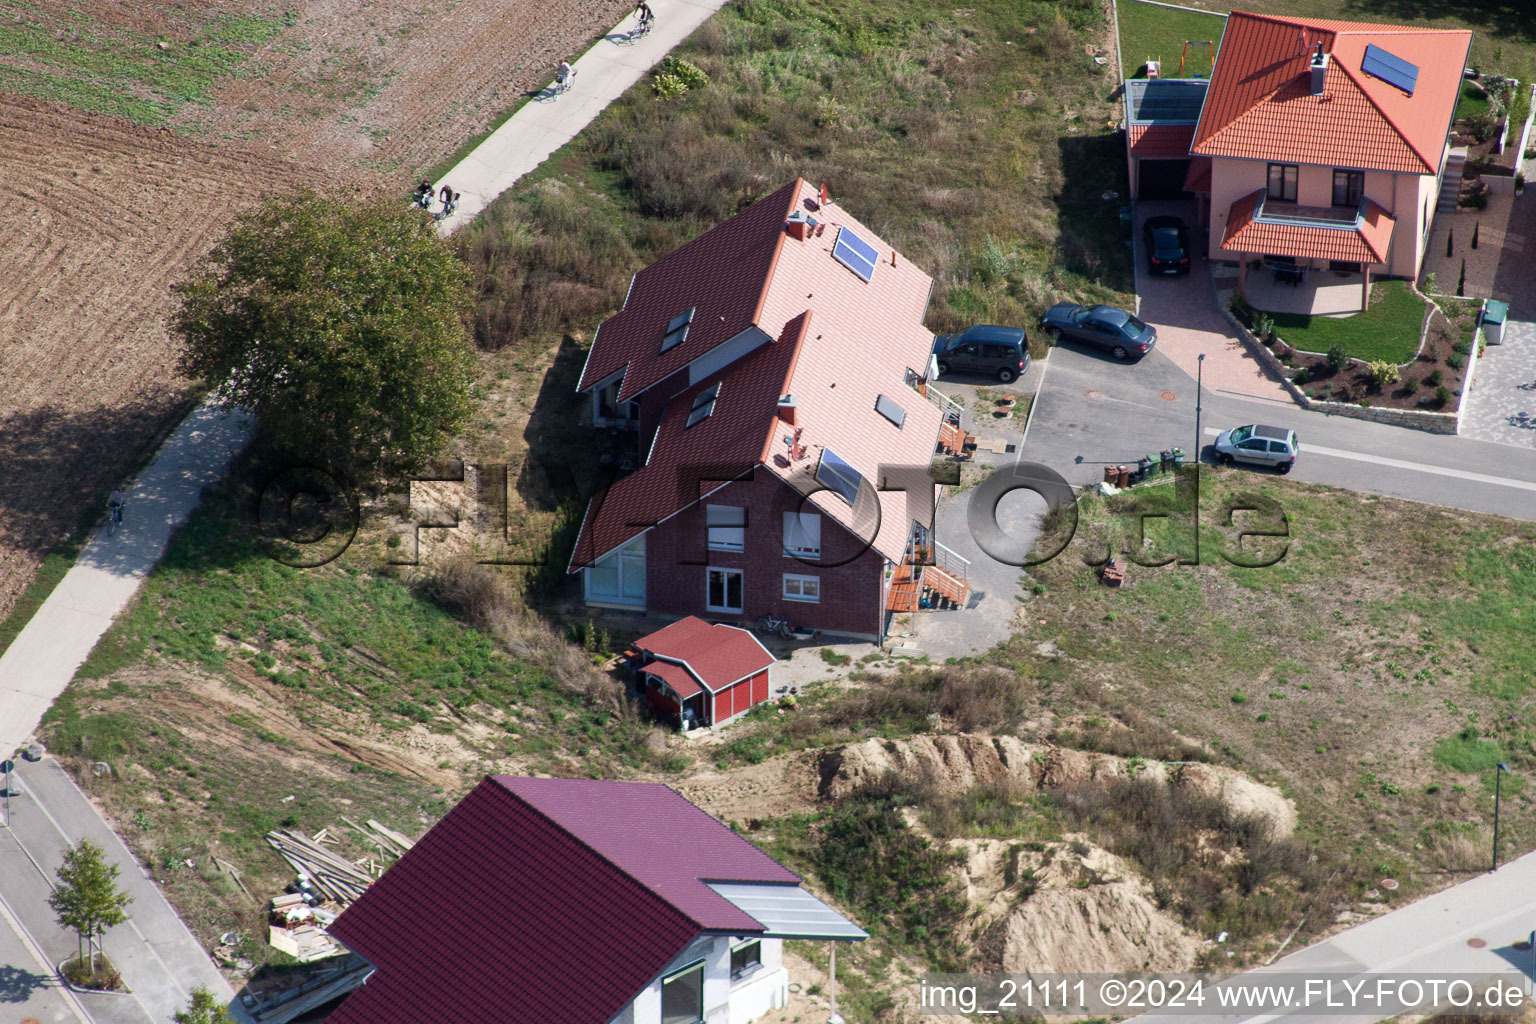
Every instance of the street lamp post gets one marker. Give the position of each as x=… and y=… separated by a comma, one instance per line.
x=1199, y=373
x=1497, y=772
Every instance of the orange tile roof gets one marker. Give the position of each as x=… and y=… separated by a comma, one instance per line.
x=1365, y=243
x=1159, y=140
x=1260, y=107
x=841, y=342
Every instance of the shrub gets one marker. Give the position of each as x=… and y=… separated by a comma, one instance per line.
x=1483, y=125
x=1337, y=358
x=1455, y=360
x=1429, y=281
x=1411, y=385
x=1382, y=372
x=676, y=76
x=1433, y=378
x=1302, y=375
x=1264, y=327
x=1442, y=396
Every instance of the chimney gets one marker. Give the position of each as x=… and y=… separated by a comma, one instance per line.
x=799, y=225
x=1319, y=69
x=787, y=407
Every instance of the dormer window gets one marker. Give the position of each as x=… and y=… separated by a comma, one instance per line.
x=677, y=329
x=703, y=405
x=855, y=254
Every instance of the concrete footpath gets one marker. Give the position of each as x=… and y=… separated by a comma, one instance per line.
x=160, y=961
x=1470, y=929
x=549, y=120
x=43, y=659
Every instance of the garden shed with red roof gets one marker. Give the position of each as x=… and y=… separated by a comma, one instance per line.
x=704, y=674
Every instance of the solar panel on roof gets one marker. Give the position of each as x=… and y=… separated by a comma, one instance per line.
x=855, y=254
x=890, y=410
x=1390, y=68
x=837, y=475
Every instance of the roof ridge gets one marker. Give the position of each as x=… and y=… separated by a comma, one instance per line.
x=778, y=248
x=1429, y=167
x=789, y=375
x=650, y=892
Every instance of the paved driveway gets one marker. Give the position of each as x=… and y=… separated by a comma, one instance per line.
x=1501, y=406
x=1183, y=309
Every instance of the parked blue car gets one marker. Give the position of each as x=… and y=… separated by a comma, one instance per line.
x=1104, y=327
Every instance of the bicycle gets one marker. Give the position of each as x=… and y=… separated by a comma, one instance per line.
x=115, y=517
x=641, y=30
x=564, y=82
x=773, y=624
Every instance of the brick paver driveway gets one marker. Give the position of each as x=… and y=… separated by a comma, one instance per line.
x=1501, y=405
x=1183, y=309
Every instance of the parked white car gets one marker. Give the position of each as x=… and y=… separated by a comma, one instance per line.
x=1261, y=445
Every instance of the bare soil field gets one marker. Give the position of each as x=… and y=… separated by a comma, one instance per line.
x=103, y=214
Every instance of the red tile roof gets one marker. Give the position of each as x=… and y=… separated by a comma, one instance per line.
x=721, y=275
x=1259, y=105
x=841, y=342
x=544, y=901
x=1198, y=177
x=717, y=655
x=1368, y=243
x=1159, y=140
x=677, y=677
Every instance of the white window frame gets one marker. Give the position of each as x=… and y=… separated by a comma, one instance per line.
x=697, y=965
x=800, y=580
x=795, y=523
x=725, y=569
x=720, y=533
x=747, y=970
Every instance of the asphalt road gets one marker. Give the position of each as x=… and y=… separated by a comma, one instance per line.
x=1093, y=411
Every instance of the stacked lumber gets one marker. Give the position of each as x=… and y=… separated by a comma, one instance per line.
x=388, y=841
x=328, y=873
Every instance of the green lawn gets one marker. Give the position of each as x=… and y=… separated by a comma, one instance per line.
x=1389, y=330
x=1148, y=31
x=1473, y=100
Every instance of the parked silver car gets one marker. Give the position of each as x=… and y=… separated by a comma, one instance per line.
x=1261, y=445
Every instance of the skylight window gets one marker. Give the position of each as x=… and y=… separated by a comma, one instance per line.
x=836, y=474
x=890, y=410
x=703, y=405
x=855, y=254
x=1390, y=68
x=677, y=329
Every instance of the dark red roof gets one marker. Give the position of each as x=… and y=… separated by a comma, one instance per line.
x=544, y=901
x=721, y=275
x=732, y=438
x=1260, y=105
x=716, y=655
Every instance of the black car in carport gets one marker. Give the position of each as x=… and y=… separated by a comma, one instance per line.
x=987, y=350
x=1113, y=330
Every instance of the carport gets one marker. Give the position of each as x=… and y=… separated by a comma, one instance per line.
x=1160, y=116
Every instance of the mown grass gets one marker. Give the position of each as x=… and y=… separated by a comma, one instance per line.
x=976, y=141
x=1336, y=673
x=1150, y=32
x=1473, y=100
x=67, y=55
x=1389, y=329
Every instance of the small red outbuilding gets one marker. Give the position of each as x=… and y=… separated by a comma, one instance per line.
x=704, y=674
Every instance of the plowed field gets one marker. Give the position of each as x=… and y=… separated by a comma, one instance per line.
x=100, y=215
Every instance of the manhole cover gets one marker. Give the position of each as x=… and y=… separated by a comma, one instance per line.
x=1478, y=943
x=1168, y=396
x=1094, y=393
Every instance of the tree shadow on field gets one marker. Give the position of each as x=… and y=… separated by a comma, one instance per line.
x=1090, y=240
x=59, y=465
x=1509, y=19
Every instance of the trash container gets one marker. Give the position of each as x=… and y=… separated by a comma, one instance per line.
x=1143, y=467
x=1178, y=458
x=1167, y=461
x=1125, y=221
x=1494, y=315
x=1111, y=476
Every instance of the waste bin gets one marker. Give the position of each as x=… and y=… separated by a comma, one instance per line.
x=1167, y=461
x=1494, y=315
x=1143, y=467
x=1111, y=477
x=1123, y=476
x=1125, y=221
x=1178, y=458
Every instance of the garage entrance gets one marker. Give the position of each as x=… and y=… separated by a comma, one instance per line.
x=1161, y=179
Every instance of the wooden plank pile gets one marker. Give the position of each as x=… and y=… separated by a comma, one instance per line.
x=329, y=874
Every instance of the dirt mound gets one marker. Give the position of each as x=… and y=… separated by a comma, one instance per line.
x=1068, y=907
x=957, y=763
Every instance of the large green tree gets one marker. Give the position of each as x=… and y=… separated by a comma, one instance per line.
x=342, y=325
x=87, y=899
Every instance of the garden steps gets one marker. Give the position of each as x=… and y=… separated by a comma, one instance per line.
x=1450, y=185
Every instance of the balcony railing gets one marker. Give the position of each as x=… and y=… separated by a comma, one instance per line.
x=1274, y=211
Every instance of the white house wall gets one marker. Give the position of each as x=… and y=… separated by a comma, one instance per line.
x=725, y=1001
